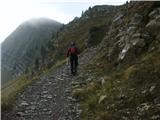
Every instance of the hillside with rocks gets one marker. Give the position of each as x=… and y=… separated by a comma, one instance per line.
x=118, y=74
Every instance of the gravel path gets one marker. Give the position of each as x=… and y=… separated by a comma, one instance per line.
x=50, y=97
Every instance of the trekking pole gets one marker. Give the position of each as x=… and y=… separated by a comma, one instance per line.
x=68, y=65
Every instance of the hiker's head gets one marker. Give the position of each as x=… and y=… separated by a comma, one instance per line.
x=72, y=43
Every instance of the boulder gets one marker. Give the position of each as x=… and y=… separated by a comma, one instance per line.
x=153, y=27
x=133, y=48
x=154, y=13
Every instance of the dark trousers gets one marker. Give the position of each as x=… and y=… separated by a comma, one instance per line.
x=74, y=63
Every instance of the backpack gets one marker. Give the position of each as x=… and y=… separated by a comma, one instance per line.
x=73, y=50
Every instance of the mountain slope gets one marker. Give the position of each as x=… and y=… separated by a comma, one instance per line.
x=122, y=80
x=23, y=46
x=118, y=74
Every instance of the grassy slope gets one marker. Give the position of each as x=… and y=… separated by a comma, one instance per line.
x=132, y=90
x=10, y=91
x=78, y=32
x=14, y=88
x=125, y=90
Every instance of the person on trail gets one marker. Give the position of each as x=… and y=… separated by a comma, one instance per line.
x=73, y=53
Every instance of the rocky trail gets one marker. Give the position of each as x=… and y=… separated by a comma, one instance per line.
x=49, y=98
x=123, y=76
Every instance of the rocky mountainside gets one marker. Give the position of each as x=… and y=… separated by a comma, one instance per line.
x=119, y=70
x=23, y=46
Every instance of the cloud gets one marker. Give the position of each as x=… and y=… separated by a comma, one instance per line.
x=14, y=12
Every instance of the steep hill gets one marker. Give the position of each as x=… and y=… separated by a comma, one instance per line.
x=118, y=74
x=122, y=80
x=82, y=31
x=23, y=46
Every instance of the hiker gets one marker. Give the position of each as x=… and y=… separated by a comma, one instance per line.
x=73, y=53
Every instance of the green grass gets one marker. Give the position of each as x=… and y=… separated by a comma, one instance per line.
x=124, y=88
x=78, y=33
x=12, y=90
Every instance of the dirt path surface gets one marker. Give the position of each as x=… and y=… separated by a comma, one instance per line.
x=49, y=98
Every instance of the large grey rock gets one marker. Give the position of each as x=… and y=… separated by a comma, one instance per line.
x=154, y=13
x=153, y=27
x=134, y=45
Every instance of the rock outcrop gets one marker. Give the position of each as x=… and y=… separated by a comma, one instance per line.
x=118, y=74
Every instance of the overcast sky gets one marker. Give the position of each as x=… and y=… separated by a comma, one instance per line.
x=14, y=12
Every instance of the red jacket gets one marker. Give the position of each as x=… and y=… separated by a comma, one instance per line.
x=70, y=51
